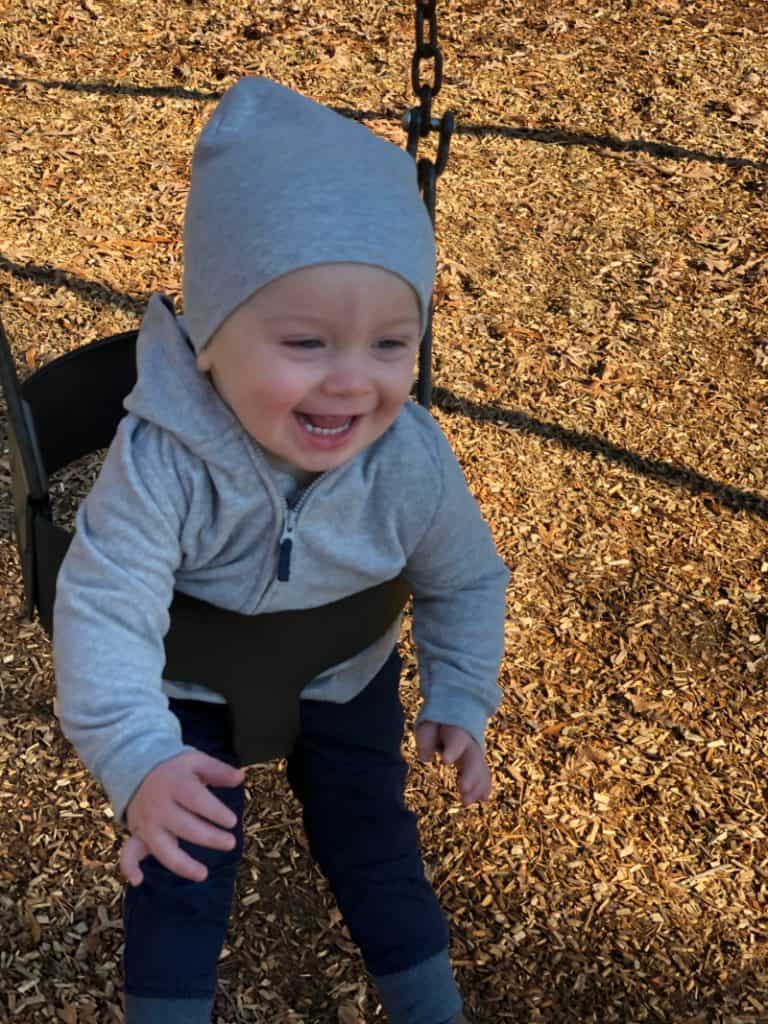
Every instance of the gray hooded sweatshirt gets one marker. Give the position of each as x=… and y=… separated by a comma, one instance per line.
x=187, y=500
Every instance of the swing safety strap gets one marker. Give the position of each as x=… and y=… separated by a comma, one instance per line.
x=260, y=663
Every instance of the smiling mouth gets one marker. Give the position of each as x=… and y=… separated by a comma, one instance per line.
x=325, y=426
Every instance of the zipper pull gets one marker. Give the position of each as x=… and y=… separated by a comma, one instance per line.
x=286, y=543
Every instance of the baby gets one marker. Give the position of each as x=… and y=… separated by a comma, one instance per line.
x=277, y=409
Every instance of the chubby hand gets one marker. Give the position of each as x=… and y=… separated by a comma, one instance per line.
x=456, y=746
x=174, y=802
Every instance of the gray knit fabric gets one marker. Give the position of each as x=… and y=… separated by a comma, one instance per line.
x=280, y=182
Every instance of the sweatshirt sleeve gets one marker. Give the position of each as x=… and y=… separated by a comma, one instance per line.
x=459, y=584
x=111, y=614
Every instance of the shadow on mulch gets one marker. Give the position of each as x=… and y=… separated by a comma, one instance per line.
x=548, y=135
x=92, y=291
x=668, y=473
x=175, y=92
x=554, y=136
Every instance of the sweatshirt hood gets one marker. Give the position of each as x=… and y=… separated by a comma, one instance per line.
x=172, y=393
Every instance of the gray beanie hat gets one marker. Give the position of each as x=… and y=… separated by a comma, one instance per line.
x=280, y=182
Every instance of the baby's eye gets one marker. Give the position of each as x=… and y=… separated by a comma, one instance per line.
x=303, y=343
x=390, y=344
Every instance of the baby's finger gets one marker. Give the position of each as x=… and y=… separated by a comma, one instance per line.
x=470, y=776
x=474, y=794
x=184, y=825
x=132, y=853
x=455, y=742
x=475, y=784
x=426, y=740
x=216, y=773
x=196, y=797
x=165, y=848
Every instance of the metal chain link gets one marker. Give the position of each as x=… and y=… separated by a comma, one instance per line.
x=419, y=122
x=426, y=50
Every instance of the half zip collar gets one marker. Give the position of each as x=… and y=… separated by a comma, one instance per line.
x=288, y=512
x=289, y=529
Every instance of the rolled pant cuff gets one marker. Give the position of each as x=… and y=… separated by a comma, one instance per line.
x=423, y=994
x=152, y=1010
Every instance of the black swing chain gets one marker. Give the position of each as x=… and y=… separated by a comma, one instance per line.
x=419, y=122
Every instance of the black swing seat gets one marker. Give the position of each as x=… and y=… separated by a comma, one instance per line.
x=260, y=663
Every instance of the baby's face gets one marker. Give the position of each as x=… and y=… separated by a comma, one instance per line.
x=317, y=364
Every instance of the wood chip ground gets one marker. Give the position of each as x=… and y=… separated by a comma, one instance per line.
x=602, y=370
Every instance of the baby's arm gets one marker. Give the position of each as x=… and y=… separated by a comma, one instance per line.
x=459, y=584
x=111, y=614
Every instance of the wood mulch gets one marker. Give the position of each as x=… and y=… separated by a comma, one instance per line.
x=602, y=369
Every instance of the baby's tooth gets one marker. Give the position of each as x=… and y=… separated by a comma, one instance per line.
x=326, y=430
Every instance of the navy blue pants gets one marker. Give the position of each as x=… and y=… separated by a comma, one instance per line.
x=348, y=772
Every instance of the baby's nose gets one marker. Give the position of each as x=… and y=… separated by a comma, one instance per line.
x=347, y=375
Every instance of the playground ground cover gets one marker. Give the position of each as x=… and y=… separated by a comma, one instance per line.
x=601, y=366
